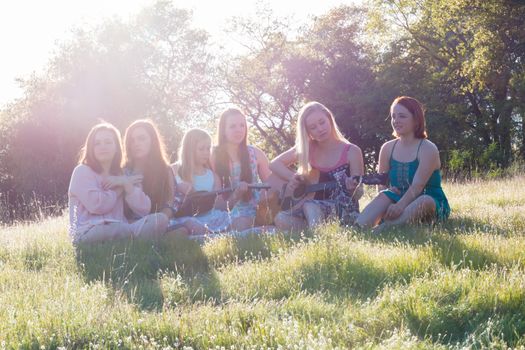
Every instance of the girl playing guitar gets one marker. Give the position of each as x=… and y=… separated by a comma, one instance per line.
x=238, y=164
x=321, y=152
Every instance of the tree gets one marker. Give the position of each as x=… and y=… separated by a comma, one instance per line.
x=155, y=66
x=267, y=81
x=324, y=61
x=473, y=53
x=345, y=78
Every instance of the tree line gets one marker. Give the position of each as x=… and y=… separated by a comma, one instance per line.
x=464, y=59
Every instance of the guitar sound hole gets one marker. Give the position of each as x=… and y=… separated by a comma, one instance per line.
x=299, y=191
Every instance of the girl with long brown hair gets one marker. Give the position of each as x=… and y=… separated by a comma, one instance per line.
x=413, y=164
x=146, y=156
x=98, y=191
x=238, y=164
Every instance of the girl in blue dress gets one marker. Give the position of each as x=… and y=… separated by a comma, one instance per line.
x=193, y=173
x=412, y=161
x=238, y=164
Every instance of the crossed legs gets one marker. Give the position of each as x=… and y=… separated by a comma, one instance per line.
x=151, y=226
x=423, y=208
x=312, y=213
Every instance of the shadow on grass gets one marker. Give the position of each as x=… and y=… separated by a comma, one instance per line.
x=421, y=234
x=133, y=266
x=458, y=307
x=253, y=246
x=450, y=248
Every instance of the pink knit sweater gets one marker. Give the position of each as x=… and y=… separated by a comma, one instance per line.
x=90, y=204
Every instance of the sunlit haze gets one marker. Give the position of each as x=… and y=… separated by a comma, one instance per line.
x=30, y=30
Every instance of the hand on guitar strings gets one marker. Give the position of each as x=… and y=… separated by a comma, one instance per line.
x=184, y=187
x=295, y=181
x=242, y=188
x=351, y=183
x=354, y=185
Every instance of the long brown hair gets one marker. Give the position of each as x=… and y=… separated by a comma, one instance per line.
x=187, y=152
x=87, y=153
x=222, y=159
x=157, y=180
x=418, y=113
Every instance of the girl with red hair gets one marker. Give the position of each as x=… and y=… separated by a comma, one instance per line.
x=413, y=164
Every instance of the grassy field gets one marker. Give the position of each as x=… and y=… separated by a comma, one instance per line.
x=456, y=285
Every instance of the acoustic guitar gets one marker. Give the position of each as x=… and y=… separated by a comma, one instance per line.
x=281, y=197
x=200, y=202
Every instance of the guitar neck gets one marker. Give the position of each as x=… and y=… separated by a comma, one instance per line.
x=231, y=189
x=321, y=186
x=250, y=186
x=370, y=179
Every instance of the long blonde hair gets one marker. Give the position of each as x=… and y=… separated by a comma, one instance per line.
x=303, y=139
x=187, y=151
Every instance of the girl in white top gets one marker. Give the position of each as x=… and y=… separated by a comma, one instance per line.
x=193, y=173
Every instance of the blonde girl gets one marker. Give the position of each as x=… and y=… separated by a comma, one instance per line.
x=320, y=145
x=193, y=173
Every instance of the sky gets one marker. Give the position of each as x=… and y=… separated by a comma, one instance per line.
x=30, y=30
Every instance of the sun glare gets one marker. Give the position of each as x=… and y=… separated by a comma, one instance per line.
x=31, y=29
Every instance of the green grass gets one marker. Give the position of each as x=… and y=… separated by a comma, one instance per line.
x=460, y=284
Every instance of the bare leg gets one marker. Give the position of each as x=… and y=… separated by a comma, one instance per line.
x=195, y=227
x=313, y=213
x=151, y=226
x=106, y=232
x=178, y=231
x=422, y=209
x=286, y=222
x=374, y=211
x=242, y=223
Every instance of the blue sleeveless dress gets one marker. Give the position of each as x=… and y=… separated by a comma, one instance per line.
x=401, y=175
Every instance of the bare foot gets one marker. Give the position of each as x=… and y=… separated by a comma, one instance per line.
x=379, y=228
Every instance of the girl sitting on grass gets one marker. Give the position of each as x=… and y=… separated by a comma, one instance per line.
x=413, y=164
x=146, y=156
x=238, y=164
x=193, y=173
x=98, y=190
x=321, y=147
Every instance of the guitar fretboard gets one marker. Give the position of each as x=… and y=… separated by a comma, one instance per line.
x=371, y=179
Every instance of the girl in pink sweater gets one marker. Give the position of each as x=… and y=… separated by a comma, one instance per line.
x=98, y=189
